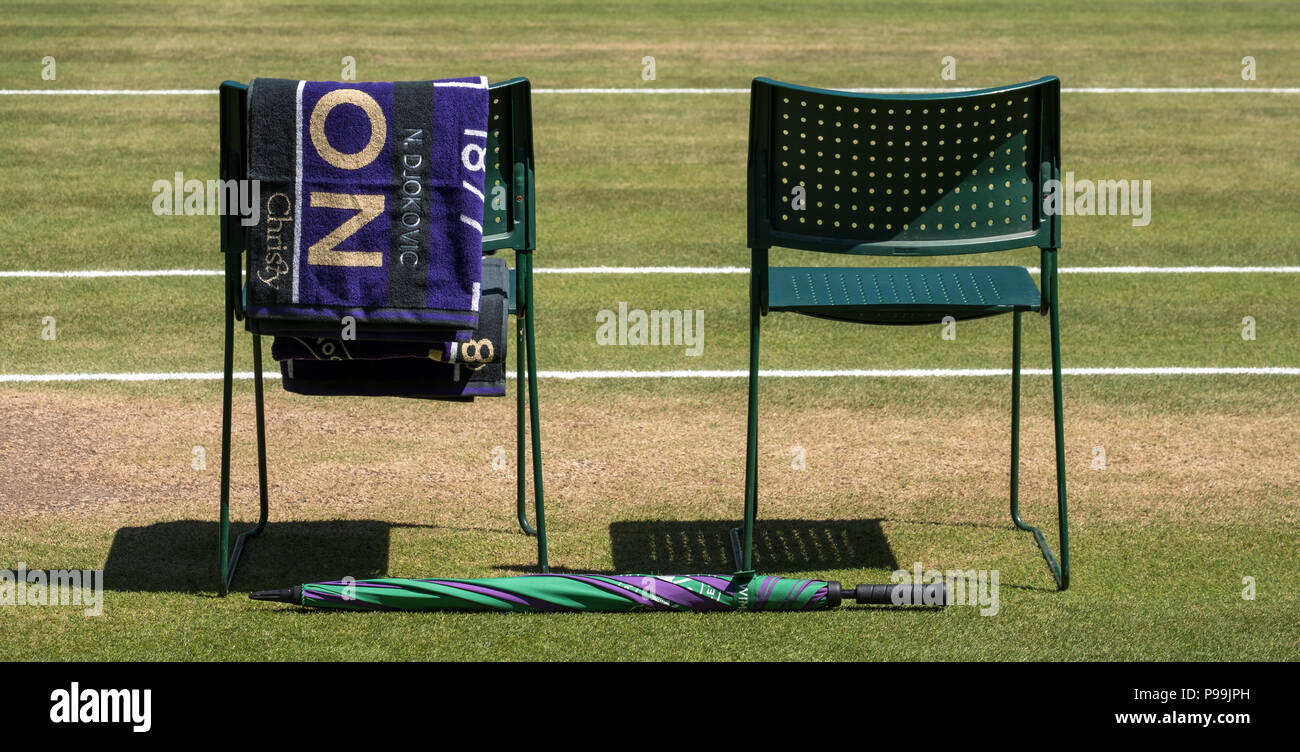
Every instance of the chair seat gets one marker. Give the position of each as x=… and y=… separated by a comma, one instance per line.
x=916, y=295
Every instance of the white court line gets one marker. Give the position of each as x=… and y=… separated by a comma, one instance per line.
x=929, y=90
x=105, y=92
x=22, y=378
x=648, y=90
x=1175, y=270
x=102, y=273
x=1031, y=269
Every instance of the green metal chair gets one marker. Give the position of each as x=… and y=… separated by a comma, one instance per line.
x=905, y=175
x=509, y=222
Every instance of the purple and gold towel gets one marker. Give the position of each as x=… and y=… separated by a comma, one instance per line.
x=372, y=203
x=487, y=344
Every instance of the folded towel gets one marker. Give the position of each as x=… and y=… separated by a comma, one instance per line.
x=398, y=377
x=485, y=345
x=372, y=202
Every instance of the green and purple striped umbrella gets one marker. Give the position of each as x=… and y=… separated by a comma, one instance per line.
x=583, y=592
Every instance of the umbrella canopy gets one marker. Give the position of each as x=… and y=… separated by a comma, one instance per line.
x=583, y=592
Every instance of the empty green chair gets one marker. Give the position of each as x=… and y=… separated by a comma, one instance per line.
x=509, y=222
x=905, y=175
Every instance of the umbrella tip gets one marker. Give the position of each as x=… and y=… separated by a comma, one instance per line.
x=284, y=595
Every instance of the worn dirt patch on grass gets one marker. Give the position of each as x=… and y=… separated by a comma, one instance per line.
x=110, y=459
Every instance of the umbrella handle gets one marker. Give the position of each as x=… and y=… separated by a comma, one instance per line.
x=934, y=594
x=287, y=595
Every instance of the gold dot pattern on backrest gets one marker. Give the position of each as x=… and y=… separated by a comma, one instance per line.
x=877, y=170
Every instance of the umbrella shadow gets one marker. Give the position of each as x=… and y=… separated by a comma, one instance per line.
x=181, y=556
x=779, y=546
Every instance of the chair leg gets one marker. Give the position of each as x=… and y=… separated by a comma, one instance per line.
x=223, y=523
x=743, y=543
x=263, y=498
x=1058, y=406
x=1015, y=422
x=521, y=448
x=534, y=425
x=1061, y=572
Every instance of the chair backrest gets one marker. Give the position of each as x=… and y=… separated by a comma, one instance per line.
x=903, y=175
x=509, y=208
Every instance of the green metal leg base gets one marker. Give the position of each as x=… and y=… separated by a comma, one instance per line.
x=527, y=312
x=1060, y=571
x=230, y=560
x=736, y=552
x=743, y=537
x=1062, y=578
x=527, y=379
x=229, y=574
x=521, y=443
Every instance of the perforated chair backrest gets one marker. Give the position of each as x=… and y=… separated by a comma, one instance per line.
x=508, y=209
x=508, y=205
x=905, y=175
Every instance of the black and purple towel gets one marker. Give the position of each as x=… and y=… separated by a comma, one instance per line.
x=487, y=344
x=371, y=203
x=397, y=377
x=458, y=370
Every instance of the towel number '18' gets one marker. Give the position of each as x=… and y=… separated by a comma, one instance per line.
x=325, y=252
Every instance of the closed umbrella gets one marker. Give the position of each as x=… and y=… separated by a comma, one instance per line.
x=599, y=592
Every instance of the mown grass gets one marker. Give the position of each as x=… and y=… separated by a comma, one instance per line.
x=1199, y=489
x=652, y=180
x=167, y=324
x=1195, y=497
x=1162, y=538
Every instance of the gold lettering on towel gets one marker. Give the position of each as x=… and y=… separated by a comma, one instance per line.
x=325, y=251
x=477, y=351
x=378, y=128
x=279, y=210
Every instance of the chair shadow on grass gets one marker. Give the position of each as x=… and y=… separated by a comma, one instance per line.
x=181, y=556
x=704, y=547
x=779, y=546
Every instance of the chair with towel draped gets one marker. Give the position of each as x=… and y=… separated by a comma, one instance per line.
x=905, y=175
x=508, y=224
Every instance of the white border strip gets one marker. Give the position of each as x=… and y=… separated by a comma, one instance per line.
x=23, y=378
x=599, y=90
x=103, y=273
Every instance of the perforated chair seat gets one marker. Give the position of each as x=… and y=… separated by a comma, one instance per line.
x=902, y=295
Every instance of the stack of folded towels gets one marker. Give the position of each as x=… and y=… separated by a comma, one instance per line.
x=366, y=263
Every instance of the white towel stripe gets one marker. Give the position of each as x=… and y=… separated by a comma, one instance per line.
x=466, y=185
x=297, y=192
x=482, y=84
